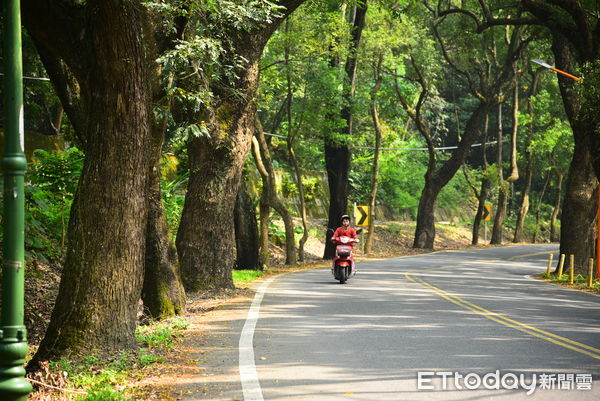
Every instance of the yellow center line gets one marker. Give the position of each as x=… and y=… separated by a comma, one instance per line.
x=438, y=268
x=480, y=262
x=501, y=319
x=529, y=254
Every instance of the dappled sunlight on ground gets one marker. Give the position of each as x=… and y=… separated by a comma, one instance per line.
x=396, y=329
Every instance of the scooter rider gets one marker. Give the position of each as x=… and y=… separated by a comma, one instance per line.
x=344, y=231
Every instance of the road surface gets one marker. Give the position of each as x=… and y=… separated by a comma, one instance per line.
x=411, y=322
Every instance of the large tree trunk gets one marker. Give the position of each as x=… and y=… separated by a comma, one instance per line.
x=102, y=276
x=576, y=42
x=205, y=240
x=162, y=292
x=246, y=231
x=578, y=228
x=425, y=230
x=555, y=212
x=337, y=157
x=337, y=163
x=578, y=232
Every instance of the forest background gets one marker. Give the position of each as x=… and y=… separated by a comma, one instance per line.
x=181, y=138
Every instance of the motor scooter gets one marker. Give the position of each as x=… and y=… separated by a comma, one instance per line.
x=343, y=263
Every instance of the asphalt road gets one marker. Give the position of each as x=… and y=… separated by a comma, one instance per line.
x=463, y=312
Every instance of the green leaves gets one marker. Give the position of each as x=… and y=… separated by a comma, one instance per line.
x=591, y=91
x=161, y=334
x=52, y=181
x=247, y=15
x=57, y=172
x=173, y=194
x=183, y=134
x=207, y=63
x=552, y=141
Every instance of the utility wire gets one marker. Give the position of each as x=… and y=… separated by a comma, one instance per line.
x=440, y=148
x=411, y=149
x=33, y=78
x=275, y=135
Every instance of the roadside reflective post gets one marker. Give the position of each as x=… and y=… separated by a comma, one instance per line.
x=560, y=265
x=13, y=337
x=572, y=269
x=549, y=265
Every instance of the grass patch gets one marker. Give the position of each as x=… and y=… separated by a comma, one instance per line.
x=98, y=378
x=105, y=379
x=161, y=334
x=580, y=282
x=246, y=276
x=146, y=359
x=104, y=394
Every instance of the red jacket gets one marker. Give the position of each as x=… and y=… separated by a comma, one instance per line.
x=344, y=232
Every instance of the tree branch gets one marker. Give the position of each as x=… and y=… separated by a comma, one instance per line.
x=258, y=159
x=453, y=64
x=404, y=102
x=508, y=21
x=515, y=49
x=579, y=36
x=461, y=11
x=577, y=13
x=67, y=88
x=488, y=19
x=274, y=63
x=57, y=25
x=416, y=113
x=394, y=74
x=421, y=124
x=288, y=7
x=468, y=179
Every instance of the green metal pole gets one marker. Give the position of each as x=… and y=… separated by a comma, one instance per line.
x=13, y=336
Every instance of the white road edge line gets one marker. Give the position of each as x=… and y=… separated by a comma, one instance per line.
x=248, y=376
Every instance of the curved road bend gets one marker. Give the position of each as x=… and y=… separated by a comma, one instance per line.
x=470, y=312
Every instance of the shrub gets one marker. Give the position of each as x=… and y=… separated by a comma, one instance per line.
x=52, y=180
x=289, y=188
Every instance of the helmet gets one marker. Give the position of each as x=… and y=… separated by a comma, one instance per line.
x=344, y=217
